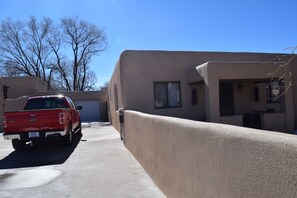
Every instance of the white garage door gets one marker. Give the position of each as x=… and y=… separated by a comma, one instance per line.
x=90, y=110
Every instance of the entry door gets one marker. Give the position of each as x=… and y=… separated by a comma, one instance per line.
x=226, y=98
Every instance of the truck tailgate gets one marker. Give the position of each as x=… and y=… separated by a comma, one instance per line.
x=30, y=121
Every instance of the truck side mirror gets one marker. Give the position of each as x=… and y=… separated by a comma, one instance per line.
x=79, y=107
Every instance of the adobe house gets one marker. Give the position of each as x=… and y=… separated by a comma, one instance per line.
x=222, y=87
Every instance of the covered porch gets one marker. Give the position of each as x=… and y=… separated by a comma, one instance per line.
x=243, y=94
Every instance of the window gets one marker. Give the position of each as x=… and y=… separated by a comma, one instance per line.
x=273, y=92
x=167, y=94
x=45, y=103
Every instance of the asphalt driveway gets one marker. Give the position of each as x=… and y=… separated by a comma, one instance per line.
x=96, y=165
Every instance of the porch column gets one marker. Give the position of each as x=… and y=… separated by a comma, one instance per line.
x=211, y=87
x=212, y=103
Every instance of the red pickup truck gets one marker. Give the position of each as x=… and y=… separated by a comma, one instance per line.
x=43, y=117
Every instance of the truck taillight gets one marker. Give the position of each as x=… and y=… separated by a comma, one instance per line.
x=61, y=118
x=4, y=122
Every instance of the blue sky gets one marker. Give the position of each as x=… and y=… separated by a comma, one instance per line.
x=184, y=25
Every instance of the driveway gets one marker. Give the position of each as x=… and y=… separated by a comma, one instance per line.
x=96, y=165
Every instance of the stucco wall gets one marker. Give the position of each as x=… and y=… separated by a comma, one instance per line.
x=15, y=104
x=198, y=109
x=115, y=96
x=18, y=87
x=23, y=86
x=197, y=159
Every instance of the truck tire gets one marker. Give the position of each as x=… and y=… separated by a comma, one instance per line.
x=67, y=139
x=18, y=144
x=79, y=128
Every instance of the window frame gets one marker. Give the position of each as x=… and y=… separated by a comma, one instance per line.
x=167, y=92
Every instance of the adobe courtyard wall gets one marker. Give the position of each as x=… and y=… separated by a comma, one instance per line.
x=200, y=159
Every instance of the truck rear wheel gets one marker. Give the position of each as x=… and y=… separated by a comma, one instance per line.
x=67, y=139
x=18, y=144
x=79, y=126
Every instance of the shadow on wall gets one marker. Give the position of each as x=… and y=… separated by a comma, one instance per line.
x=49, y=153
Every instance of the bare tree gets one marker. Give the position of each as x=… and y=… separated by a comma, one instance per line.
x=41, y=49
x=90, y=81
x=283, y=74
x=60, y=66
x=24, y=49
x=105, y=86
x=86, y=40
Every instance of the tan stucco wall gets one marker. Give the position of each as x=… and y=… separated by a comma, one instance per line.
x=23, y=86
x=136, y=71
x=114, y=98
x=197, y=159
x=199, y=108
x=15, y=104
x=18, y=87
